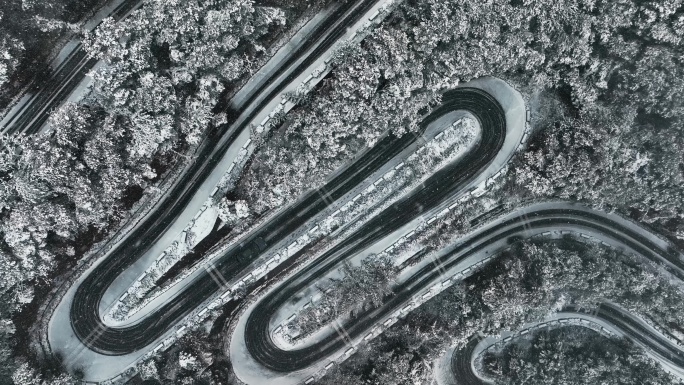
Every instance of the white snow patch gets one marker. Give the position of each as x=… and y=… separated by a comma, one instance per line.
x=203, y=226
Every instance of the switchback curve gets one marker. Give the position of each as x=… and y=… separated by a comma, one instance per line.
x=443, y=184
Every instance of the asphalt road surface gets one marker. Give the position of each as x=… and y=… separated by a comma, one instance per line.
x=107, y=340
x=441, y=185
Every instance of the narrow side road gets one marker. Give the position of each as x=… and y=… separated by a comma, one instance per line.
x=605, y=318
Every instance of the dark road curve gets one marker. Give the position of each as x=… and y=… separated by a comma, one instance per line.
x=85, y=318
x=621, y=320
x=257, y=333
x=84, y=312
x=461, y=366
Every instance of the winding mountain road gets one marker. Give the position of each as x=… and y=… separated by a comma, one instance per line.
x=441, y=185
x=257, y=358
x=85, y=316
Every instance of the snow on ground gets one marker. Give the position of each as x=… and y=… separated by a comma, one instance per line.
x=251, y=372
x=166, y=242
x=97, y=367
x=63, y=54
x=61, y=337
x=319, y=68
x=354, y=203
x=467, y=267
x=203, y=226
x=262, y=117
x=138, y=295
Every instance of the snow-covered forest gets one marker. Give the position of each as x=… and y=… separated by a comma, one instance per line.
x=561, y=356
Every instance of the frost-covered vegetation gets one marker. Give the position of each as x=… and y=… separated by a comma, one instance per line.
x=604, y=84
x=78, y=181
x=353, y=290
x=602, y=78
x=572, y=355
x=195, y=359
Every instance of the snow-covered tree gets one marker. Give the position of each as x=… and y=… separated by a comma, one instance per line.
x=10, y=52
x=148, y=370
x=232, y=212
x=27, y=375
x=567, y=354
x=188, y=361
